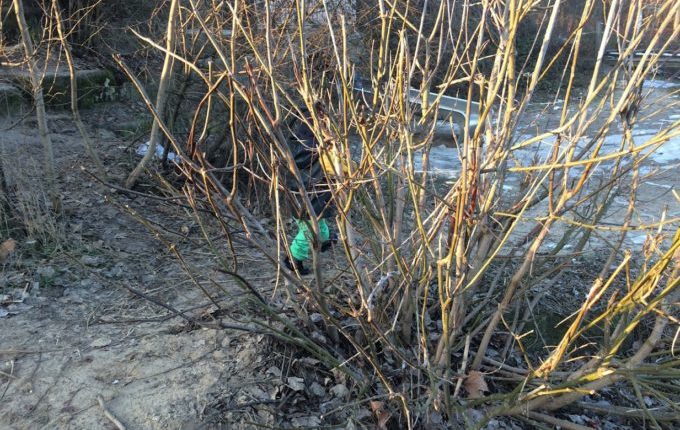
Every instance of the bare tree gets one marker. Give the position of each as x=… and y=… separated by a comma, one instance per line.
x=162, y=96
x=38, y=98
x=74, y=90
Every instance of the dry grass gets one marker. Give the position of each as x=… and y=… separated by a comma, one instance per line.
x=27, y=210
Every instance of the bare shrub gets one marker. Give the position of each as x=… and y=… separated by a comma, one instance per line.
x=424, y=304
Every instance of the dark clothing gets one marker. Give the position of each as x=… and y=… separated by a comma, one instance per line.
x=305, y=150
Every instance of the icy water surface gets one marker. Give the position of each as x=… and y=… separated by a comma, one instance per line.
x=660, y=171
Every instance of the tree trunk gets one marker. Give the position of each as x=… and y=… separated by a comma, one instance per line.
x=74, y=92
x=39, y=101
x=161, y=98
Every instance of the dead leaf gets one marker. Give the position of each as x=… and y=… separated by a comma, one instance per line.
x=475, y=384
x=381, y=414
x=7, y=248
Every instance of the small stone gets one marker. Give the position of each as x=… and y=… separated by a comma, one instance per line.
x=46, y=272
x=75, y=297
x=308, y=361
x=295, y=383
x=90, y=283
x=90, y=260
x=363, y=414
x=148, y=278
x=257, y=393
x=340, y=391
x=318, y=337
x=106, y=134
x=327, y=407
x=310, y=422
x=274, y=371
x=317, y=390
x=18, y=307
x=436, y=418
x=493, y=425
x=316, y=318
x=116, y=272
x=101, y=342
x=246, y=356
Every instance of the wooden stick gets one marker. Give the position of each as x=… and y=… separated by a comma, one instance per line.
x=109, y=415
x=628, y=412
x=558, y=422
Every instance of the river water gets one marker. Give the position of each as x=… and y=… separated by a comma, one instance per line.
x=659, y=193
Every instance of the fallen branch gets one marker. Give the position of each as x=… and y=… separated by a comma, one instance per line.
x=109, y=415
x=558, y=422
x=630, y=412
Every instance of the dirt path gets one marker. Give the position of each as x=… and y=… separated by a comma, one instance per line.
x=70, y=331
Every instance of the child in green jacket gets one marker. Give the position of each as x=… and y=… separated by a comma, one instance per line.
x=305, y=150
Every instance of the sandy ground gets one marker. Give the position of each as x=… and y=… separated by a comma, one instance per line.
x=70, y=332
